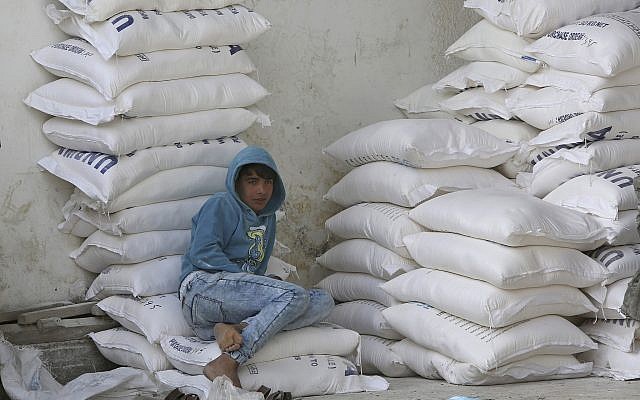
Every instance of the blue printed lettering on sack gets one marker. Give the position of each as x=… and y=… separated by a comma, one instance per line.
x=222, y=140
x=599, y=134
x=607, y=255
x=629, y=24
x=143, y=14
x=616, y=177
x=180, y=347
x=597, y=24
x=547, y=152
x=127, y=21
x=561, y=35
x=91, y=158
x=234, y=48
x=150, y=304
x=72, y=49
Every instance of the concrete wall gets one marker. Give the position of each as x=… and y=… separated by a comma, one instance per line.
x=332, y=66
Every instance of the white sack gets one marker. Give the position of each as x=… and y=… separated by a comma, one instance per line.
x=613, y=363
x=68, y=98
x=280, y=268
x=553, y=168
x=169, y=185
x=503, y=266
x=364, y=317
x=603, y=194
x=590, y=127
x=602, y=45
x=133, y=32
x=515, y=132
x=433, y=365
x=99, y=10
x=344, y=286
x=191, y=354
x=388, y=182
x=620, y=261
x=309, y=375
x=609, y=306
x=385, y=224
x=537, y=18
x=482, y=347
x=164, y=216
x=154, y=316
x=491, y=76
x=512, y=219
x=624, y=229
x=583, y=84
x=77, y=59
x=483, y=303
x=379, y=358
x=148, y=278
x=424, y=103
x=549, y=106
x=365, y=256
x=421, y=143
x=123, y=136
x=130, y=349
x=619, y=334
x=100, y=250
x=104, y=177
x=478, y=104
x=486, y=42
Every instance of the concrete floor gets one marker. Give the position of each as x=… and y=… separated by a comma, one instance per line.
x=567, y=389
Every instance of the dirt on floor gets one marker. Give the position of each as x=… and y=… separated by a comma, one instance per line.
x=567, y=389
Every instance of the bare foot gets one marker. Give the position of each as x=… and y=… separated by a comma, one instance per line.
x=224, y=365
x=228, y=337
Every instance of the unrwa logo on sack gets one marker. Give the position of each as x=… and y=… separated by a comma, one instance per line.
x=90, y=158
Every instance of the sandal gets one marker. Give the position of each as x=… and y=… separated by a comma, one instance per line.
x=279, y=395
x=176, y=394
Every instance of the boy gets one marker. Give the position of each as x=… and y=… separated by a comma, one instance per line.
x=224, y=293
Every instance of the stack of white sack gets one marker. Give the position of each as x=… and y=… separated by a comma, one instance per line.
x=497, y=63
x=155, y=337
x=146, y=113
x=517, y=262
x=397, y=164
x=315, y=360
x=143, y=299
x=617, y=355
x=585, y=99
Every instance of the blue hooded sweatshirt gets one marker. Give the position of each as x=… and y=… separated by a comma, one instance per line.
x=227, y=235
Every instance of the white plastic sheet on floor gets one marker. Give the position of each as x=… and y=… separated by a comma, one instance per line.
x=24, y=377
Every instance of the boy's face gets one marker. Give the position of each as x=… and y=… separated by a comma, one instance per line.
x=254, y=191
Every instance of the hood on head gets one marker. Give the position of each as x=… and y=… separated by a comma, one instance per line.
x=255, y=155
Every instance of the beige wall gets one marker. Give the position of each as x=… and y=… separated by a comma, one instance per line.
x=332, y=66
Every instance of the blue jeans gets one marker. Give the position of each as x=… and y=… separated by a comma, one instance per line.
x=266, y=305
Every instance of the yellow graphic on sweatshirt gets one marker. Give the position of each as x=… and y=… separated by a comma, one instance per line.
x=256, y=248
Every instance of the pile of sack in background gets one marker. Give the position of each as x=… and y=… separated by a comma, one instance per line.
x=146, y=111
x=555, y=85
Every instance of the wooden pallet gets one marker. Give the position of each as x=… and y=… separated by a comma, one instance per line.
x=53, y=322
